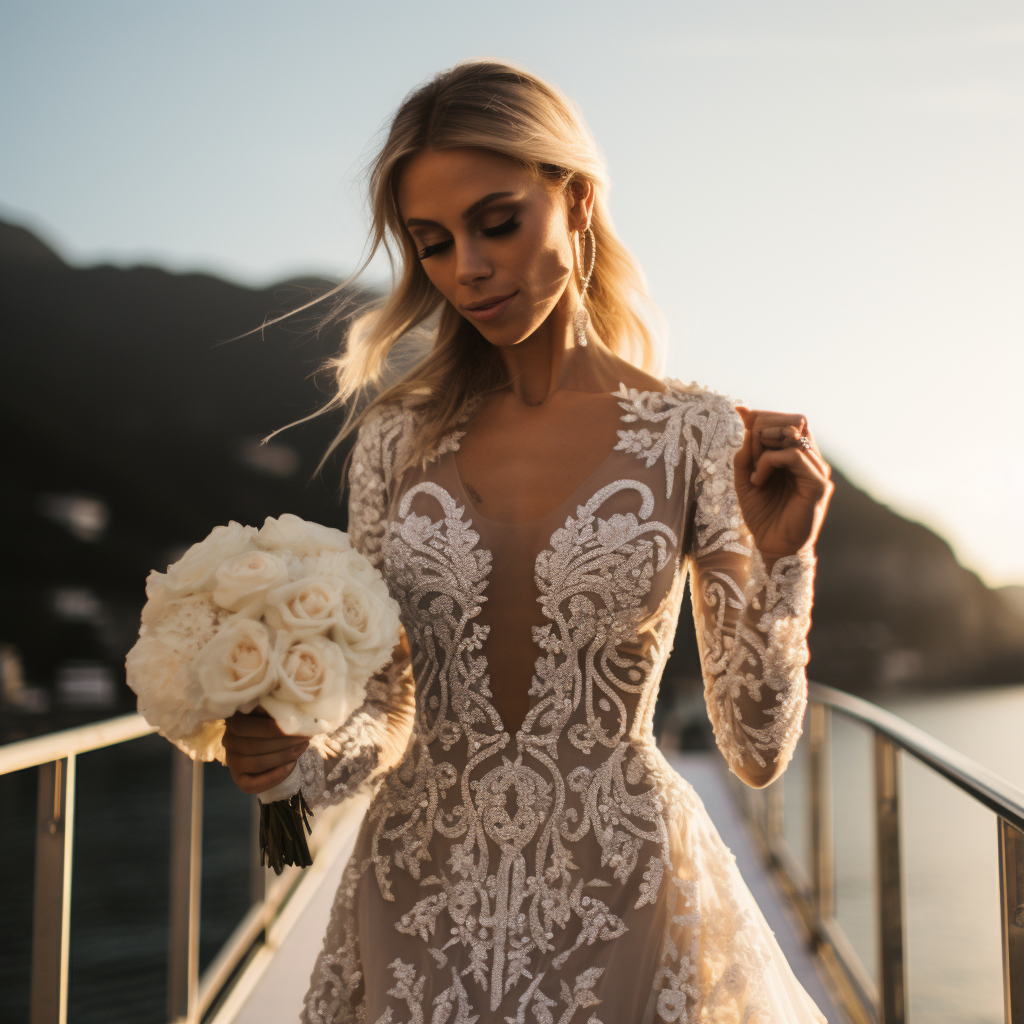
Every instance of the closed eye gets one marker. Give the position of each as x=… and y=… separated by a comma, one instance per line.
x=499, y=229
x=433, y=250
x=502, y=229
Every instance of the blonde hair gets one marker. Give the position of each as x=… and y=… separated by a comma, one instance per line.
x=498, y=106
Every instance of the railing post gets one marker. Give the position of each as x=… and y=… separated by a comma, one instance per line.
x=892, y=986
x=1011, y=893
x=186, y=877
x=820, y=796
x=55, y=832
x=775, y=817
x=257, y=870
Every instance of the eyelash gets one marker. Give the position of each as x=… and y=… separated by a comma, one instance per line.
x=501, y=229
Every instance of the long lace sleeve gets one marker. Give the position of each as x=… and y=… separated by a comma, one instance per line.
x=356, y=756
x=751, y=625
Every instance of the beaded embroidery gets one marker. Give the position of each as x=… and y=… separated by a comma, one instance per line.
x=492, y=831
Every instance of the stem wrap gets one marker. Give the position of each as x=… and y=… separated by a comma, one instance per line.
x=282, y=839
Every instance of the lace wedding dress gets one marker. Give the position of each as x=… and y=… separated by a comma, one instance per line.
x=559, y=870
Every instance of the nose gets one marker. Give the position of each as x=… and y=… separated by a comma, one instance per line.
x=471, y=264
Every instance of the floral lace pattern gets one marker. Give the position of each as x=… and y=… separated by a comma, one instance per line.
x=495, y=874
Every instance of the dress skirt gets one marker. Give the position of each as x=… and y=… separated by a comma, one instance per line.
x=700, y=951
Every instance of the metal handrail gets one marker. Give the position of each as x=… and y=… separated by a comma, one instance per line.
x=988, y=788
x=189, y=994
x=885, y=1001
x=39, y=750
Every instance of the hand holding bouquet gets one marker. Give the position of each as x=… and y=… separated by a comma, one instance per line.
x=289, y=618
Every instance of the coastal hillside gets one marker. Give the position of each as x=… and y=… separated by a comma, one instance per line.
x=132, y=426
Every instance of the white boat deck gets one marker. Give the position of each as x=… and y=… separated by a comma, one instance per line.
x=271, y=987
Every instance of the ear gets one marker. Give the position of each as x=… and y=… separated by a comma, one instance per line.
x=580, y=198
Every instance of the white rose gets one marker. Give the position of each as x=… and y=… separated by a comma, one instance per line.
x=245, y=580
x=183, y=627
x=159, y=674
x=163, y=704
x=187, y=623
x=314, y=694
x=194, y=570
x=206, y=743
x=349, y=565
x=236, y=667
x=366, y=624
x=157, y=596
x=300, y=537
x=305, y=606
x=155, y=582
x=165, y=601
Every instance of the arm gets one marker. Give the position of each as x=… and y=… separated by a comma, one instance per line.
x=357, y=755
x=751, y=618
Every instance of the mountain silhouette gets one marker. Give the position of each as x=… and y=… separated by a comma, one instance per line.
x=132, y=426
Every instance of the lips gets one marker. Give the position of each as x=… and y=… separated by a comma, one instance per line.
x=490, y=308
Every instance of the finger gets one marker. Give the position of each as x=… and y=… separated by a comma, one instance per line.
x=807, y=444
x=262, y=761
x=249, y=745
x=262, y=781
x=255, y=764
x=770, y=429
x=796, y=460
x=787, y=437
x=747, y=416
x=252, y=725
x=753, y=423
x=791, y=437
x=743, y=461
x=768, y=418
x=779, y=436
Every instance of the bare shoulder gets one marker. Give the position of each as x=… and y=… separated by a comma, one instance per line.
x=634, y=378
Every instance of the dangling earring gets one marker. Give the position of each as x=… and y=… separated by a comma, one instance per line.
x=581, y=318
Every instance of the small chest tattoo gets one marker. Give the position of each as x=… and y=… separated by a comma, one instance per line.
x=472, y=492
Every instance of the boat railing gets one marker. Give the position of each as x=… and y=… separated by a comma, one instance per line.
x=882, y=999
x=189, y=994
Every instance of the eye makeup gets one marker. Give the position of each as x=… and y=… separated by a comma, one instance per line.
x=433, y=250
x=499, y=229
x=502, y=229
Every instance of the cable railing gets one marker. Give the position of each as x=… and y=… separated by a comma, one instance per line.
x=866, y=999
x=190, y=995
x=883, y=999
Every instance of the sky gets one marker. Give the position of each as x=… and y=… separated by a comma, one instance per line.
x=827, y=199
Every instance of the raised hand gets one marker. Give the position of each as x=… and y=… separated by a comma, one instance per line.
x=259, y=755
x=782, y=482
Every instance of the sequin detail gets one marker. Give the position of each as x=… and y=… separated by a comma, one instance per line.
x=511, y=868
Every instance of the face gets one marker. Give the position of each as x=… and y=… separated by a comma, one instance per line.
x=493, y=238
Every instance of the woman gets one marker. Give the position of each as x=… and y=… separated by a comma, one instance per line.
x=535, y=499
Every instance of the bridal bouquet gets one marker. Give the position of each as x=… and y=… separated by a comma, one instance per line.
x=289, y=618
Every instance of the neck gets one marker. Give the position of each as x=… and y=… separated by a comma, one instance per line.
x=549, y=360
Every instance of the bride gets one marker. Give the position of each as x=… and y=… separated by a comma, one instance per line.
x=536, y=497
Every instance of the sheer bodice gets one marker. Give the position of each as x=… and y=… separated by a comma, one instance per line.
x=500, y=861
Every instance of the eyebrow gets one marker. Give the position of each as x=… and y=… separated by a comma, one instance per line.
x=475, y=208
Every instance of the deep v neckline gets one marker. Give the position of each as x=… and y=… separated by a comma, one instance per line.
x=621, y=394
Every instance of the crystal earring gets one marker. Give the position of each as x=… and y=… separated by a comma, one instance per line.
x=581, y=318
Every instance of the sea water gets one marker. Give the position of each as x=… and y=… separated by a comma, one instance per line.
x=949, y=849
